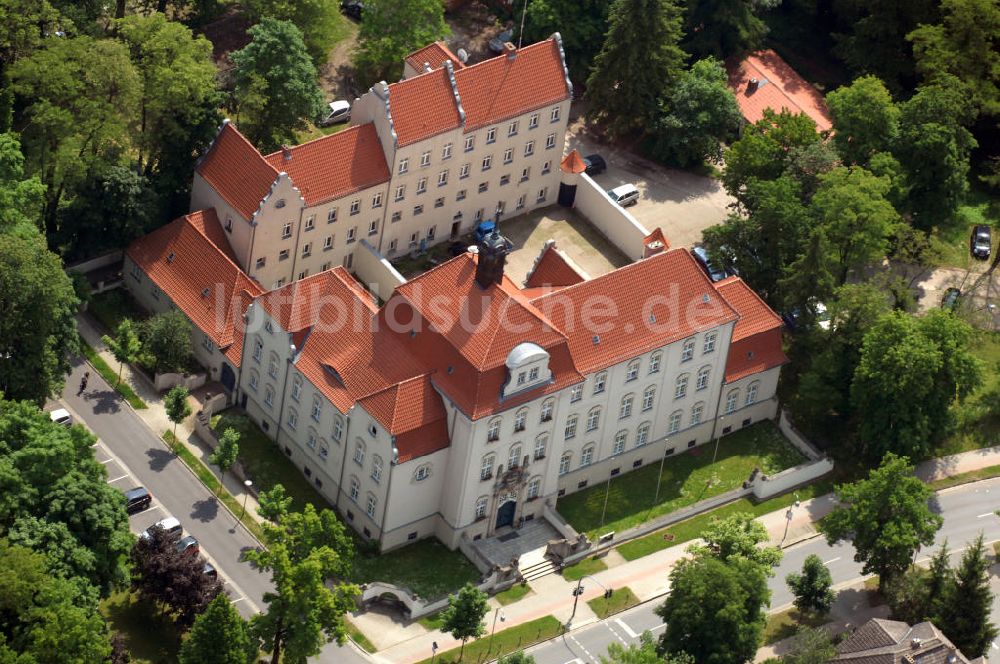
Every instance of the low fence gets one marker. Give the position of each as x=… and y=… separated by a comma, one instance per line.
x=611, y=219
x=375, y=272
x=788, y=479
x=556, y=521
x=168, y=381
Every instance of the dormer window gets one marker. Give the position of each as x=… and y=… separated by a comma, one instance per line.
x=528, y=367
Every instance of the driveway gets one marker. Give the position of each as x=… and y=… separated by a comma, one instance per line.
x=682, y=204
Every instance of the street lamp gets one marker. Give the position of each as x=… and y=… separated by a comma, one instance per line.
x=788, y=520
x=659, y=476
x=503, y=618
x=246, y=493
x=579, y=591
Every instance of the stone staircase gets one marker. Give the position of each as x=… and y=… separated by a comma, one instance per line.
x=539, y=569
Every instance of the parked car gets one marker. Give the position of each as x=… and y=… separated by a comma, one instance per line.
x=187, y=545
x=595, y=164
x=625, y=195
x=793, y=318
x=137, y=499
x=61, y=416
x=951, y=299
x=340, y=111
x=210, y=571
x=714, y=272
x=170, y=526
x=497, y=43
x=981, y=241
x=353, y=8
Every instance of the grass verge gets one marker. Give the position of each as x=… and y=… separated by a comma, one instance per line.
x=784, y=624
x=432, y=621
x=209, y=479
x=583, y=568
x=686, y=479
x=513, y=594
x=692, y=528
x=151, y=636
x=111, y=376
x=965, y=478
x=621, y=599
x=504, y=642
x=359, y=637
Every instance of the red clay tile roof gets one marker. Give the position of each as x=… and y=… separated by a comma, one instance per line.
x=434, y=54
x=334, y=165
x=650, y=303
x=573, y=163
x=412, y=411
x=198, y=277
x=501, y=88
x=552, y=269
x=423, y=106
x=654, y=237
x=301, y=304
x=756, y=342
x=779, y=87
x=207, y=223
x=237, y=171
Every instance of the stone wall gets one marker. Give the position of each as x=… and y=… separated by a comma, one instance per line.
x=375, y=272
x=167, y=381
x=612, y=220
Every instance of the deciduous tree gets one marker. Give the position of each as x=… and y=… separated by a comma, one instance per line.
x=643, y=653
x=886, y=516
x=177, y=407
x=319, y=20
x=810, y=645
x=812, y=587
x=225, y=454
x=124, y=345
x=865, y=119
x=739, y=536
x=391, y=30
x=21, y=197
x=166, y=342
x=463, y=618
x=274, y=503
x=721, y=28
x=582, y=43
x=219, y=635
x=638, y=63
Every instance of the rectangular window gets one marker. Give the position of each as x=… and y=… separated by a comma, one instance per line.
x=709, y=344
x=570, y=431
x=400, y=192
x=442, y=178
x=525, y=174
x=512, y=128
x=491, y=135
x=600, y=380
x=421, y=185
x=286, y=231
x=352, y=234
x=487, y=162
x=520, y=202
x=377, y=200
x=302, y=275
x=325, y=266
x=550, y=141
x=439, y=202
x=463, y=172
x=470, y=143
x=460, y=196
x=373, y=228
x=310, y=222
x=431, y=232
x=505, y=179
x=396, y=216
x=283, y=255
x=425, y=159
x=307, y=249
x=633, y=372
x=546, y=168
x=508, y=155
x=529, y=148
x=413, y=239
x=331, y=216
x=355, y=206
x=483, y=186
x=404, y=165
x=542, y=193
x=576, y=393
x=392, y=244
x=418, y=210
x=554, y=115
x=533, y=121
x=446, y=152
x=261, y=262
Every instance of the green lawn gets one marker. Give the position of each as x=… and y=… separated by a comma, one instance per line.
x=150, y=635
x=111, y=376
x=784, y=624
x=687, y=478
x=583, y=568
x=621, y=599
x=978, y=419
x=513, y=594
x=503, y=643
x=359, y=637
x=950, y=242
x=111, y=307
x=433, y=621
x=426, y=567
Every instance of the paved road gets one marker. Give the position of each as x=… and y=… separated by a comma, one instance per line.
x=967, y=511
x=135, y=456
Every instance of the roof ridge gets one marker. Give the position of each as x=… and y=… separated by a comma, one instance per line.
x=189, y=222
x=227, y=123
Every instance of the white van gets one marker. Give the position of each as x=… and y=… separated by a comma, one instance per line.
x=171, y=527
x=340, y=111
x=61, y=416
x=624, y=195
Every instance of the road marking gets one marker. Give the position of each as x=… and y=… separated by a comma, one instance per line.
x=580, y=646
x=234, y=601
x=577, y=660
x=107, y=461
x=616, y=634
x=659, y=627
x=121, y=477
x=832, y=560
x=980, y=516
x=626, y=628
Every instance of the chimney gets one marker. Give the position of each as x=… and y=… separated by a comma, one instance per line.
x=286, y=152
x=510, y=50
x=752, y=86
x=492, y=259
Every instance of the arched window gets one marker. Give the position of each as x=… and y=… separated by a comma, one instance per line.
x=338, y=427
x=564, y=462
x=642, y=434
x=377, y=468
x=620, y=439
x=697, y=411
x=648, y=397
x=486, y=469
x=547, y=407
x=633, y=371
x=732, y=399
x=534, y=487
x=541, y=443
x=587, y=456
x=520, y=420
x=514, y=456
x=481, y=507
x=296, y=386
x=625, y=410
x=311, y=439
x=654, y=362
x=293, y=419
x=324, y=449
x=493, y=433
x=370, y=506
x=268, y=396
x=317, y=408
x=687, y=352
x=359, y=453
x=593, y=419
x=272, y=366
x=675, y=422
x=703, y=375
x=681, y=386
x=254, y=379
x=355, y=489
x=752, y=393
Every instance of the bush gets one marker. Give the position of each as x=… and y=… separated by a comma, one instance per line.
x=166, y=343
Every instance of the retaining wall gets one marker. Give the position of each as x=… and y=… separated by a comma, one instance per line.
x=97, y=262
x=166, y=381
x=790, y=478
x=611, y=219
x=797, y=439
x=375, y=272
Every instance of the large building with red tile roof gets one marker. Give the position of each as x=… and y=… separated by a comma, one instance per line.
x=763, y=80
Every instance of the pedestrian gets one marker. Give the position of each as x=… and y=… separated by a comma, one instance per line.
x=83, y=383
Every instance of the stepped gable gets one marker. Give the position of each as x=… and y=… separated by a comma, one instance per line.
x=423, y=106
x=237, y=171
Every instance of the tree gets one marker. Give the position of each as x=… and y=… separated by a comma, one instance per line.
x=714, y=612
x=23, y=27
x=21, y=198
x=933, y=148
x=924, y=594
x=589, y=19
x=276, y=83
x=391, y=30
x=699, y=113
x=857, y=220
x=166, y=342
x=965, y=44
x=812, y=588
x=810, y=276
x=638, y=63
x=319, y=21
x=173, y=578
x=811, y=645
x=865, y=119
x=274, y=503
x=516, y=658
x=965, y=617
x=225, y=454
x=886, y=516
x=463, y=618
x=124, y=346
x=643, y=653
x=177, y=406
x=37, y=325
x=721, y=28
x=219, y=635
x=739, y=536
x=305, y=552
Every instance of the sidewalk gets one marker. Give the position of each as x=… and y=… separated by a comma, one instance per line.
x=155, y=416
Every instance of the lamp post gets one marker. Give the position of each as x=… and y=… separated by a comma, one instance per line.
x=246, y=493
x=788, y=520
x=578, y=590
x=607, y=492
x=659, y=476
x=503, y=618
